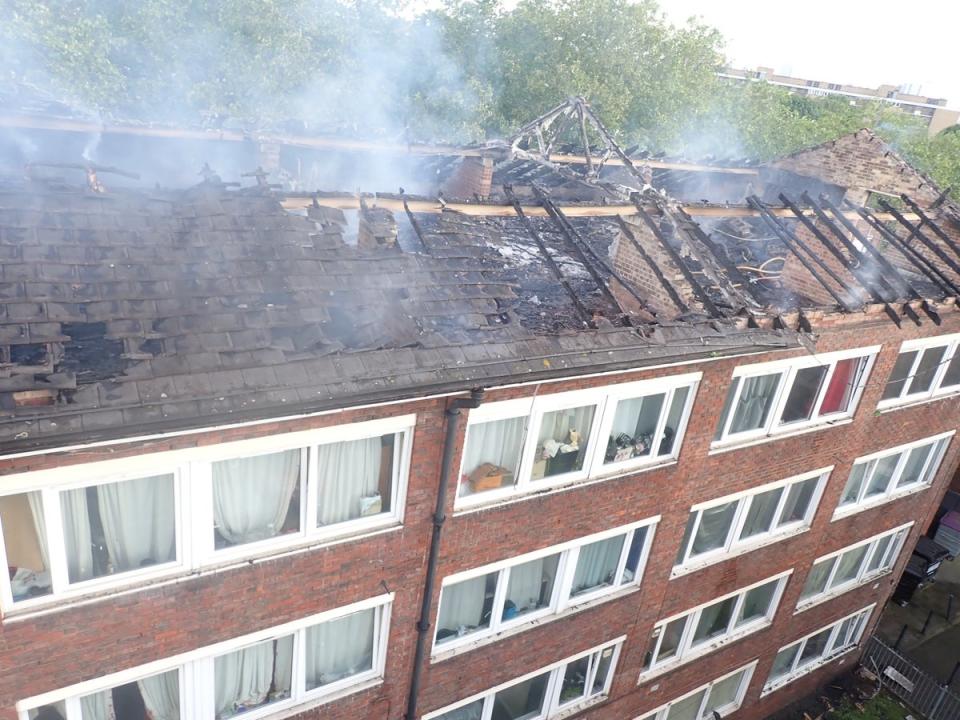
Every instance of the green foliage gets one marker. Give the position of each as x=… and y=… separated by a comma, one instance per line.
x=881, y=707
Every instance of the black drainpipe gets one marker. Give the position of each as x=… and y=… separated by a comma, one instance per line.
x=452, y=415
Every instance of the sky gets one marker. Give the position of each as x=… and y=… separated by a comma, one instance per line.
x=860, y=42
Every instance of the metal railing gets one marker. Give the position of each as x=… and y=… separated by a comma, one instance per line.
x=917, y=688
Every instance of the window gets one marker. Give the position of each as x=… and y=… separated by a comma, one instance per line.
x=816, y=649
x=518, y=446
x=699, y=631
x=924, y=368
x=567, y=686
x=77, y=529
x=480, y=603
x=781, y=396
x=745, y=521
x=724, y=695
x=852, y=566
x=252, y=676
x=875, y=479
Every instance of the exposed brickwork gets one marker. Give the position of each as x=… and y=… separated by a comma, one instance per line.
x=73, y=644
x=797, y=278
x=472, y=178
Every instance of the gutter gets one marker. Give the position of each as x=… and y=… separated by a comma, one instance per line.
x=452, y=416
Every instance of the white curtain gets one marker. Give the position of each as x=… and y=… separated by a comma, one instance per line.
x=339, y=648
x=497, y=442
x=715, y=523
x=251, y=496
x=243, y=678
x=39, y=525
x=597, y=564
x=76, y=532
x=461, y=605
x=138, y=521
x=754, y=402
x=558, y=424
x=526, y=581
x=98, y=706
x=161, y=695
x=638, y=415
x=348, y=473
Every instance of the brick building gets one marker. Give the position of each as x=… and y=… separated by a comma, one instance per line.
x=490, y=458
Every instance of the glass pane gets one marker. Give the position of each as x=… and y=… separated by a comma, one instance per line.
x=465, y=607
x=672, y=426
x=597, y=565
x=783, y=662
x=799, y=497
x=842, y=637
x=842, y=386
x=491, y=455
x=473, y=711
x=952, y=375
x=256, y=498
x=688, y=708
x=530, y=587
x=685, y=543
x=734, y=384
x=848, y=567
x=724, y=693
x=898, y=377
x=814, y=647
x=803, y=394
x=355, y=478
x=252, y=677
x=119, y=527
x=714, y=620
x=817, y=579
x=880, y=549
x=757, y=602
x=562, y=443
x=927, y=369
x=851, y=491
x=574, y=685
x=633, y=556
x=603, y=669
x=715, y=525
x=672, y=634
x=882, y=472
x=634, y=425
x=755, y=402
x=25, y=540
x=761, y=512
x=55, y=711
x=913, y=467
x=340, y=648
x=156, y=697
x=520, y=701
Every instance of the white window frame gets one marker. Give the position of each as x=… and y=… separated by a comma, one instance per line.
x=194, y=516
x=604, y=400
x=662, y=712
x=937, y=390
x=196, y=670
x=552, y=706
x=831, y=652
x=733, y=545
x=561, y=602
x=788, y=371
x=686, y=651
x=892, y=492
x=898, y=537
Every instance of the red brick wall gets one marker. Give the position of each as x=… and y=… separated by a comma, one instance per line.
x=472, y=177
x=73, y=644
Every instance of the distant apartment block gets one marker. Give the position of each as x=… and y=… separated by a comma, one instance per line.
x=933, y=110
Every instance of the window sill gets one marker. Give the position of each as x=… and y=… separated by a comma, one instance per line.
x=722, y=446
x=807, y=670
x=844, y=512
x=695, y=565
x=54, y=604
x=541, y=491
x=826, y=597
x=285, y=710
x=656, y=672
x=580, y=707
x=884, y=408
x=479, y=642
